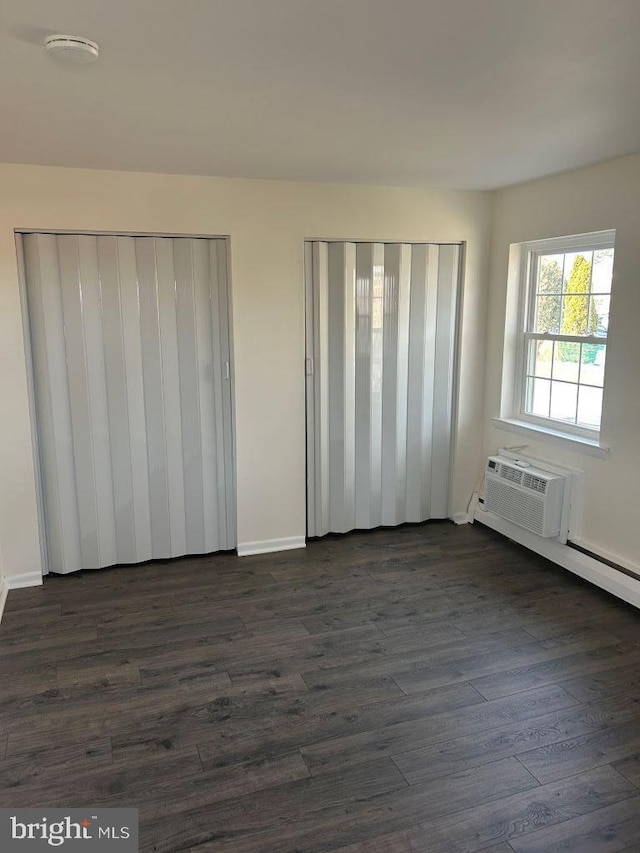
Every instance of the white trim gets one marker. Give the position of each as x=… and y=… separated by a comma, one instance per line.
x=23, y=580
x=572, y=242
x=593, y=340
x=267, y=546
x=33, y=417
x=607, y=555
x=588, y=568
x=456, y=346
x=89, y=233
x=4, y=590
x=579, y=443
x=561, y=428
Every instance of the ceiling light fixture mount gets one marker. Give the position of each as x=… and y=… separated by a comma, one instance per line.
x=72, y=49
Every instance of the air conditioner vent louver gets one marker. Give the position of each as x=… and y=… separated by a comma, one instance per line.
x=536, y=483
x=529, y=497
x=507, y=472
x=518, y=508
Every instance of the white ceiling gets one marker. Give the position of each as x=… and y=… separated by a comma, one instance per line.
x=441, y=93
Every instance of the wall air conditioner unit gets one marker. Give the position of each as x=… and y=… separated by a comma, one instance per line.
x=527, y=496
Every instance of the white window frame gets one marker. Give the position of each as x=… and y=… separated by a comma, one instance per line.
x=513, y=414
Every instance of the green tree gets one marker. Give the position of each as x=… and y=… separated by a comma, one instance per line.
x=549, y=304
x=580, y=316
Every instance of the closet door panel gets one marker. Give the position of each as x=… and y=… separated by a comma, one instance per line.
x=381, y=322
x=130, y=347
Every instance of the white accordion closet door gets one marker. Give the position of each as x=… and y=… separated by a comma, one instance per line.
x=381, y=326
x=130, y=355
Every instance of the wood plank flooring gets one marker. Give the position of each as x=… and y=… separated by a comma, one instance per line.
x=428, y=689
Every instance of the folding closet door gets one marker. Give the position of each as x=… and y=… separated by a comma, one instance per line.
x=381, y=325
x=130, y=351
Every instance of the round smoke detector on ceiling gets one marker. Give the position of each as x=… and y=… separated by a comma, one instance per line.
x=72, y=49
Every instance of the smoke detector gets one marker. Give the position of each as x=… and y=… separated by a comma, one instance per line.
x=73, y=49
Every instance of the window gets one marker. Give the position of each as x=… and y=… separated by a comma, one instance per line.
x=565, y=295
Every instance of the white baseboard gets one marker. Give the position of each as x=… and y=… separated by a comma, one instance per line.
x=3, y=596
x=461, y=518
x=25, y=579
x=592, y=570
x=17, y=582
x=607, y=556
x=266, y=546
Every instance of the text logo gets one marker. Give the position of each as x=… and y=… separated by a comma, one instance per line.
x=34, y=830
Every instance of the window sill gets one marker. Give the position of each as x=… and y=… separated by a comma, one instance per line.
x=572, y=442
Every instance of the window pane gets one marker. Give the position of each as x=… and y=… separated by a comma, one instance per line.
x=569, y=261
x=601, y=304
x=540, y=355
x=564, y=399
x=590, y=407
x=579, y=315
x=602, y=271
x=548, y=314
x=577, y=271
x=592, y=370
x=566, y=361
x=538, y=393
x=550, y=274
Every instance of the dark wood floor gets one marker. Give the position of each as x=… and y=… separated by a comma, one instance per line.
x=431, y=688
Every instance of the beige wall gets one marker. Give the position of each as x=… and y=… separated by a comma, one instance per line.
x=592, y=199
x=267, y=222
